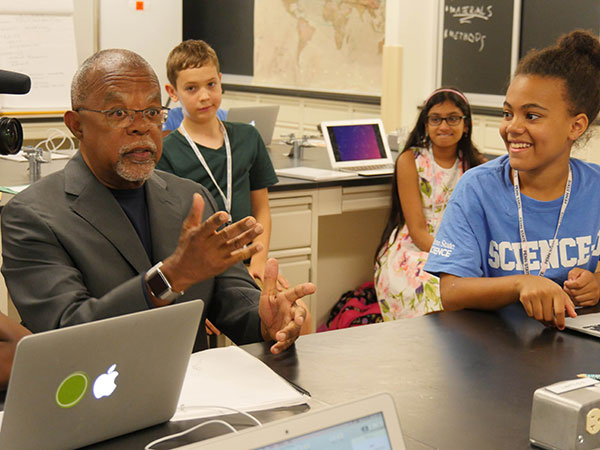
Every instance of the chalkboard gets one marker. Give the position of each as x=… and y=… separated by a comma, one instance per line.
x=544, y=21
x=228, y=26
x=481, y=41
x=476, y=44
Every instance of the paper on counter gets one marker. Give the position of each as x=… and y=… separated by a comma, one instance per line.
x=13, y=189
x=230, y=377
x=20, y=158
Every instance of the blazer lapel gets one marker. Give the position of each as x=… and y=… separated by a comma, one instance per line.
x=96, y=204
x=166, y=217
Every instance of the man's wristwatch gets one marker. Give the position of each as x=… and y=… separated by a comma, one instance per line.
x=159, y=285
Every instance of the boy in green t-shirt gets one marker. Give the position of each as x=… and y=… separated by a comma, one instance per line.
x=229, y=159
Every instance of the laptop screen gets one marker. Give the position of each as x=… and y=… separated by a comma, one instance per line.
x=367, y=432
x=356, y=142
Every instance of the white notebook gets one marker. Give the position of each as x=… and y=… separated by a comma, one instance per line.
x=231, y=378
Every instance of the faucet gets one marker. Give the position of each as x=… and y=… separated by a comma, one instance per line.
x=298, y=145
x=36, y=157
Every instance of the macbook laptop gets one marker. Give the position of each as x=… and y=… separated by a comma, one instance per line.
x=359, y=146
x=586, y=323
x=369, y=423
x=262, y=117
x=82, y=384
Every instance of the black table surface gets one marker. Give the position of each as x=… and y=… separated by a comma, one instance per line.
x=460, y=380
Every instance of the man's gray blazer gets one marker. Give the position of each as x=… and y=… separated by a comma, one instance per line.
x=71, y=255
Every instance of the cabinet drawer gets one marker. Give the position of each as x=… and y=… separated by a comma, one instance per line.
x=297, y=271
x=291, y=223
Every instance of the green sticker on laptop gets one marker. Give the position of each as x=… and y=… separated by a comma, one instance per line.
x=72, y=389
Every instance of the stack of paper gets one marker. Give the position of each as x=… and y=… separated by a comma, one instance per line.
x=229, y=377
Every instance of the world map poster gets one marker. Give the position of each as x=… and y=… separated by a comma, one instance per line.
x=324, y=45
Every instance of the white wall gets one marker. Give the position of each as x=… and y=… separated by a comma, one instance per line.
x=84, y=19
x=152, y=33
x=413, y=26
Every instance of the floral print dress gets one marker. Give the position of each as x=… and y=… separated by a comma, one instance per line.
x=404, y=289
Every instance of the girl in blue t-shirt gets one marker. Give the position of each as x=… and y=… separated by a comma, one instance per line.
x=525, y=227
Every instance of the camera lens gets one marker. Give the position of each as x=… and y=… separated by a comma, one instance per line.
x=11, y=136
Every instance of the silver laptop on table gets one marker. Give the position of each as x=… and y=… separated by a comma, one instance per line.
x=585, y=323
x=368, y=423
x=358, y=146
x=83, y=384
x=263, y=117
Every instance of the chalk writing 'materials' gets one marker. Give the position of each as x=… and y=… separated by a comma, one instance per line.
x=467, y=13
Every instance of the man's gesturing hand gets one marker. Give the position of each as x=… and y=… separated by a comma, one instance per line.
x=204, y=251
x=281, y=313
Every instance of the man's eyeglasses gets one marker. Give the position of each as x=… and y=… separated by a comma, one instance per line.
x=122, y=117
x=436, y=121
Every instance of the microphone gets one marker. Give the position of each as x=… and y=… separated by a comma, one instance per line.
x=14, y=82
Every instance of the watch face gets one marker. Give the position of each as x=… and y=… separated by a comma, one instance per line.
x=158, y=285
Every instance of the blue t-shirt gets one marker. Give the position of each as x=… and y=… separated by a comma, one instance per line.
x=175, y=117
x=479, y=234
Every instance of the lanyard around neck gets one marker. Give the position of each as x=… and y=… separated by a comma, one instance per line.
x=226, y=198
x=524, y=249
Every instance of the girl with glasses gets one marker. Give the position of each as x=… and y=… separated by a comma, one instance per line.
x=526, y=227
x=437, y=152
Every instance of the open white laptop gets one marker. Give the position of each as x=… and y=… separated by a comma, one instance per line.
x=585, y=323
x=263, y=117
x=86, y=383
x=358, y=146
x=368, y=423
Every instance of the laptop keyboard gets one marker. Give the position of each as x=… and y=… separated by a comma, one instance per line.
x=371, y=170
x=382, y=167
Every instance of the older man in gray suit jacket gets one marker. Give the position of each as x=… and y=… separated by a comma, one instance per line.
x=108, y=235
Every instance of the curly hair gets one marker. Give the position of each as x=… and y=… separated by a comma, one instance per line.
x=575, y=59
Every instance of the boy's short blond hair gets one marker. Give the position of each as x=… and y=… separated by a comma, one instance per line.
x=190, y=54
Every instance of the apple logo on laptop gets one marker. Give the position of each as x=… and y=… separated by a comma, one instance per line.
x=105, y=383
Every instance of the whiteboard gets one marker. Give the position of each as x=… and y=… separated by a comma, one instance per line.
x=41, y=45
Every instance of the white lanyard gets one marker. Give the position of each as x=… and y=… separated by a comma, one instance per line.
x=226, y=199
x=524, y=249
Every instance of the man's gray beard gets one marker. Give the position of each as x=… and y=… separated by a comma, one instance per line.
x=136, y=175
